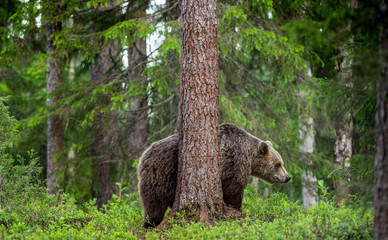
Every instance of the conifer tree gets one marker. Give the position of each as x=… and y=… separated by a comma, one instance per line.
x=104, y=144
x=199, y=178
x=54, y=80
x=381, y=163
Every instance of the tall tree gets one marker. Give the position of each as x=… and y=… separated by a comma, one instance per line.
x=307, y=146
x=104, y=144
x=343, y=122
x=381, y=164
x=199, y=177
x=54, y=80
x=309, y=188
x=137, y=59
x=343, y=125
x=106, y=125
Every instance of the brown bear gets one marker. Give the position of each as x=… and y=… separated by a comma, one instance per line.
x=242, y=155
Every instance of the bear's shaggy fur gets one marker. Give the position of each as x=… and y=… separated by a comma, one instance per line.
x=242, y=155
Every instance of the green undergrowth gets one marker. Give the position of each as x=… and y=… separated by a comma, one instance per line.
x=273, y=218
x=26, y=212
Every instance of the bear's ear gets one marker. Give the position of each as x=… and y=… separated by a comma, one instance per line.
x=269, y=143
x=263, y=148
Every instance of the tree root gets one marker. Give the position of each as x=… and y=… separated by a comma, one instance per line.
x=204, y=213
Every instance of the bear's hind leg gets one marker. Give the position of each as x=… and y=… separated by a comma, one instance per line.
x=154, y=216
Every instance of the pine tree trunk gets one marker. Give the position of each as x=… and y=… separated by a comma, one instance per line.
x=381, y=164
x=105, y=139
x=54, y=123
x=199, y=178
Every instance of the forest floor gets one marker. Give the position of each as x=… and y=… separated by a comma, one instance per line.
x=275, y=217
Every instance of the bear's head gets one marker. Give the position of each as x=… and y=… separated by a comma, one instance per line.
x=268, y=164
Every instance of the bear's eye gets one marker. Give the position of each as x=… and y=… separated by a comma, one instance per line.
x=278, y=165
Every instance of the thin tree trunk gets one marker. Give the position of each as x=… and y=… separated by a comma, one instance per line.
x=343, y=127
x=342, y=152
x=54, y=123
x=199, y=177
x=343, y=124
x=309, y=190
x=105, y=142
x=103, y=146
x=381, y=164
x=138, y=134
x=255, y=184
x=306, y=135
x=138, y=122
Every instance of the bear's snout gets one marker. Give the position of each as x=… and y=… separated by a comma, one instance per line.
x=288, y=178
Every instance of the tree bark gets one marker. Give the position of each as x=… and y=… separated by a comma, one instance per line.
x=381, y=163
x=343, y=127
x=343, y=124
x=54, y=123
x=342, y=152
x=137, y=122
x=309, y=189
x=343, y=142
x=105, y=139
x=199, y=178
x=138, y=133
x=306, y=135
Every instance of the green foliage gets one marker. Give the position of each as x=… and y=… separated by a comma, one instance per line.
x=233, y=16
x=128, y=31
x=7, y=125
x=4, y=88
x=264, y=47
x=231, y=111
x=276, y=217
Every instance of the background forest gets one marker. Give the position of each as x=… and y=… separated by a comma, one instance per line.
x=87, y=86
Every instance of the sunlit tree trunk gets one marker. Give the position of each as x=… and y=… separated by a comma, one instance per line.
x=342, y=152
x=343, y=139
x=71, y=153
x=72, y=63
x=199, y=179
x=306, y=148
x=309, y=190
x=381, y=164
x=54, y=123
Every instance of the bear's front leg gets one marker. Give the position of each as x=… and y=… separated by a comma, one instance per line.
x=233, y=194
